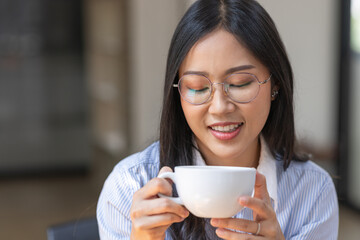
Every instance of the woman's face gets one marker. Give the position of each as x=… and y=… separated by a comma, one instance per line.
x=227, y=132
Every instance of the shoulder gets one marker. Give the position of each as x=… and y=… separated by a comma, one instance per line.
x=307, y=201
x=147, y=157
x=304, y=180
x=139, y=167
x=307, y=171
x=129, y=175
x=133, y=172
x=305, y=184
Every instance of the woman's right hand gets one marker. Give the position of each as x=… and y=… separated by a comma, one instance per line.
x=151, y=216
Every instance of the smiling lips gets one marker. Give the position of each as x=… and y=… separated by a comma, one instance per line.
x=225, y=131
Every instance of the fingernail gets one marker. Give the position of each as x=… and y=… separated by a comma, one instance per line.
x=214, y=221
x=243, y=200
x=220, y=232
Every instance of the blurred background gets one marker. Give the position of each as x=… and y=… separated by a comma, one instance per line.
x=81, y=88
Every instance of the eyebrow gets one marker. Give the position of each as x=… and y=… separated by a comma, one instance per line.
x=239, y=68
x=227, y=72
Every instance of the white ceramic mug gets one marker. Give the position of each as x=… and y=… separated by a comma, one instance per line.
x=211, y=191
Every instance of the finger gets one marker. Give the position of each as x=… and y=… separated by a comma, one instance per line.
x=262, y=208
x=166, y=169
x=270, y=228
x=152, y=188
x=154, y=221
x=231, y=235
x=235, y=224
x=261, y=188
x=158, y=206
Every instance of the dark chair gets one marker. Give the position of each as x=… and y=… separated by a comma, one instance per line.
x=83, y=229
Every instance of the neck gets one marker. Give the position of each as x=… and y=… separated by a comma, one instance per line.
x=249, y=158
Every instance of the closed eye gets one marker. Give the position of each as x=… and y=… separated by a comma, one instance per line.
x=240, y=85
x=198, y=90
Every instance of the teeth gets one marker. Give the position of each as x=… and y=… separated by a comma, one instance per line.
x=227, y=128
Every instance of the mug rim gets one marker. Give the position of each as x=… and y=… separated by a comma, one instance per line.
x=215, y=168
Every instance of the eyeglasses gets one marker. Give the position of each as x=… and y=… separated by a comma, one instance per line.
x=239, y=87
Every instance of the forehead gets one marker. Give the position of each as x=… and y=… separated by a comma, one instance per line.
x=216, y=52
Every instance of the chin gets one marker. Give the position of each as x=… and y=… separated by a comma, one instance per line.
x=226, y=157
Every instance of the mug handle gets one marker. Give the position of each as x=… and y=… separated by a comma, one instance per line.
x=171, y=176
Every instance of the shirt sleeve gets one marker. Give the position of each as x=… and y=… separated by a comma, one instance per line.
x=322, y=220
x=113, y=209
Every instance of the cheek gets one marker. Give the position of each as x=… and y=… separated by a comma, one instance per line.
x=189, y=113
x=192, y=113
x=185, y=108
x=257, y=112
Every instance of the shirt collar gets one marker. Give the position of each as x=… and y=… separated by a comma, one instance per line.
x=267, y=167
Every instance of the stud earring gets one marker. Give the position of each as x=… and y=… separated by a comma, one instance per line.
x=275, y=92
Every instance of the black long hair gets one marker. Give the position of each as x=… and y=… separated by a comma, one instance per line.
x=253, y=28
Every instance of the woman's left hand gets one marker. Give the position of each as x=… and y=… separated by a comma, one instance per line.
x=265, y=224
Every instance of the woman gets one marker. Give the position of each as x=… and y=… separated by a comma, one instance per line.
x=228, y=100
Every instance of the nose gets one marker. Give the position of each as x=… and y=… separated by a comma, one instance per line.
x=220, y=103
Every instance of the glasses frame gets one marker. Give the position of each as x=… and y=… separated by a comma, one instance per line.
x=225, y=89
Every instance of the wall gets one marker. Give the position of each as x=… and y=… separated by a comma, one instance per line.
x=105, y=55
x=151, y=26
x=309, y=31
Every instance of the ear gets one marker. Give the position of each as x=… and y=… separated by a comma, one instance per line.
x=274, y=92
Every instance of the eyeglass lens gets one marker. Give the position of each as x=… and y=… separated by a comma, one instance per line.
x=240, y=87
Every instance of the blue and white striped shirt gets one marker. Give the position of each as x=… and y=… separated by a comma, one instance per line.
x=303, y=196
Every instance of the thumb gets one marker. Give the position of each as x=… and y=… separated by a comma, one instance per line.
x=261, y=191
